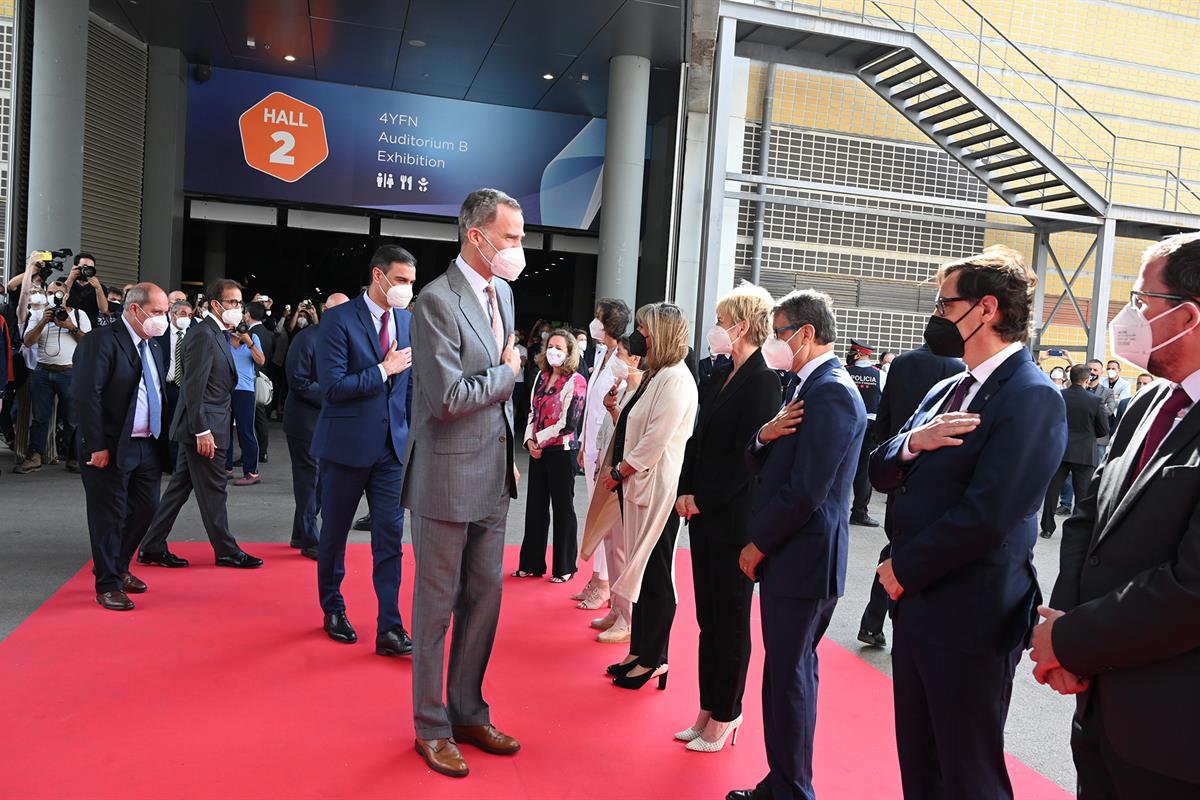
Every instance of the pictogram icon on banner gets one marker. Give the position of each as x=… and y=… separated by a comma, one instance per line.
x=283, y=137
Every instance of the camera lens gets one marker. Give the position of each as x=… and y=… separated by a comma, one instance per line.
x=87, y=271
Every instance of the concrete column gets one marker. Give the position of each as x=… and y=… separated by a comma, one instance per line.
x=1041, y=246
x=624, y=168
x=1102, y=273
x=162, y=176
x=214, y=251
x=56, y=125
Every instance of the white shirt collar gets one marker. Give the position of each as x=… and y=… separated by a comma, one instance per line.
x=477, y=281
x=376, y=310
x=985, y=370
x=137, y=340
x=811, y=367
x=1191, y=385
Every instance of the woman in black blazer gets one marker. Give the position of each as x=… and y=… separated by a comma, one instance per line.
x=714, y=495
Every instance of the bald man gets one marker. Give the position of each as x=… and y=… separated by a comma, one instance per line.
x=175, y=297
x=300, y=411
x=120, y=375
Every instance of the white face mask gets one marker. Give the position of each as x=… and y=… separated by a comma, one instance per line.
x=596, y=329
x=231, y=317
x=777, y=354
x=555, y=357
x=1057, y=375
x=719, y=341
x=507, y=264
x=37, y=300
x=1112, y=374
x=1132, y=339
x=154, y=327
x=182, y=323
x=545, y=335
x=400, y=295
x=618, y=368
x=302, y=322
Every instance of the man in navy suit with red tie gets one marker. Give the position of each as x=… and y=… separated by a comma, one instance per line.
x=967, y=475
x=363, y=360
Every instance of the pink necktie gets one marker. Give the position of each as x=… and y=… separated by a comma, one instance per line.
x=497, y=322
x=385, y=341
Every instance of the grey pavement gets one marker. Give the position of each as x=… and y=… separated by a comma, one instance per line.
x=44, y=540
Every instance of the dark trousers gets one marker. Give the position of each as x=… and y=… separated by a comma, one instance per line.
x=207, y=478
x=723, y=596
x=1081, y=475
x=792, y=627
x=261, y=434
x=654, y=612
x=862, y=480
x=243, y=416
x=44, y=386
x=172, y=392
x=1102, y=775
x=876, y=610
x=341, y=488
x=950, y=713
x=551, y=488
x=121, y=501
x=520, y=405
x=305, y=489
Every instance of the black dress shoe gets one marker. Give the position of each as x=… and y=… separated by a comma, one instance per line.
x=295, y=544
x=164, y=559
x=114, y=601
x=339, y=628
x=395, y=642
x=865, y=520
x=240, y=560
x=873, y=639
x=262, y=457
x=363, y=523
x=1046, y=534
x=759, y=792
x=309, y=552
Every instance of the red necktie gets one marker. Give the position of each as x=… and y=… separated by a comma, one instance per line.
x=1161, y=426
x=960, y=393
x=385, y=341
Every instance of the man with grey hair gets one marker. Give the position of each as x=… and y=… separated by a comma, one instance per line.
x=460, y=477
x=799, y=529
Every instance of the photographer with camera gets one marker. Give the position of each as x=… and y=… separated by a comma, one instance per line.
x=86, y=293
x=247, y=357
x=256, y=318
x=56, y=332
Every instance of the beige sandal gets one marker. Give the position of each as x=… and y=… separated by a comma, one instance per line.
x=594, y=599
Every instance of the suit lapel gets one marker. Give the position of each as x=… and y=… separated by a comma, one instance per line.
x=471, y=309
x=718, y=377
x=126, y=344
x=821, y=369
x=364, y=317
x=1186, y=430
x=997, y=379
x=222, y=341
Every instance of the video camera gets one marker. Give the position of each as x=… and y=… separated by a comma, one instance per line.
x=49, y=261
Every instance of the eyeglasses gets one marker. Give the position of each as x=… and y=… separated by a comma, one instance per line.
x=1135, y=296
x=940, y=303
x=779, y=332
x=231, y=303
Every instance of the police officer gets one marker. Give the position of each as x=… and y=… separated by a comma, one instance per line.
x=869, y=380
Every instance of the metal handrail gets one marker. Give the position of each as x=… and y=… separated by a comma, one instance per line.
x=1063, y=102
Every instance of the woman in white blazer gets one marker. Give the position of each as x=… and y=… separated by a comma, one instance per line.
x=640, y=470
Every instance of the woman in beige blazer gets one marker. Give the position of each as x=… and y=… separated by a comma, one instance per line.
x=639, y=470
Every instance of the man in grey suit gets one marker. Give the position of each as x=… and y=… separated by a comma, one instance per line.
x=460, y=477
x=202, y=427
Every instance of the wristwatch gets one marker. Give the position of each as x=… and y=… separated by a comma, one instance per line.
x=616, y=474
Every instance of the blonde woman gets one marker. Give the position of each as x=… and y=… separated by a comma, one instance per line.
x=741, y=395
x=640, y=468
x=556, y=409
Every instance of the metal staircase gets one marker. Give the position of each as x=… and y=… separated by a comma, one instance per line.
x=973, y=129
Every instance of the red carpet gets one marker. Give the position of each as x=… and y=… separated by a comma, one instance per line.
x=221, y=684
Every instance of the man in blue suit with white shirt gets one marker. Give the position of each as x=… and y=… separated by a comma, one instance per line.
x=363, y=360
x=967, y=476
x=799, y=530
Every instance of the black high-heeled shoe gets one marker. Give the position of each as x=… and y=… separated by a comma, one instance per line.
x=618, y=669
x=630, y=682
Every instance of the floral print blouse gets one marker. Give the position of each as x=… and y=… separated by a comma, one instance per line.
x=556, y=410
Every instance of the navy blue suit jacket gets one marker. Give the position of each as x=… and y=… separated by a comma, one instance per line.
x=360, y=409
x=800, y=513
x=965, y=519
x=303, y=404
x=108, y=370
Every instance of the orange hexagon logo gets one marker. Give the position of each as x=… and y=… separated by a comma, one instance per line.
x=283, y=137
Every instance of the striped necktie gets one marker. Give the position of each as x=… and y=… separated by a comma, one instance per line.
x=177, y=360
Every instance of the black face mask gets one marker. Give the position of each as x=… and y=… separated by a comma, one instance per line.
x=637, y=344
x=943, y=336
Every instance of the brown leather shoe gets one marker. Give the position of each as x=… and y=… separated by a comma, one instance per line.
x=442, y=755
x=132, y=584
x=487, y=739
x=115, y=601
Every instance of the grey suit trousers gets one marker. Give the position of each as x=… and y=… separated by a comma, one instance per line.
x=459, y=574
x=207, y=477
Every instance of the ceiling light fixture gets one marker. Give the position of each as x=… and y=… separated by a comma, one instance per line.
x=289, y=58
x=548, y=76
x=416, y=43
x=583, y=76
x=250, y=42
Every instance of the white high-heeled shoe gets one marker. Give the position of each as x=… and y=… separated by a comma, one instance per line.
x=699, y=745
x=692, y=732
